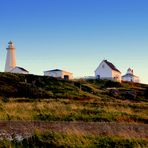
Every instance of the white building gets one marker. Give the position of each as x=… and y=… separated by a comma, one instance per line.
x=107, y=70
x=19, y=70
x=130, y=77
x=11, y=61
x=57, y=73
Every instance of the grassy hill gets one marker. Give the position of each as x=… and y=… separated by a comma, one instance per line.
x=115, y=114
x=33, y=86
x=42, y=98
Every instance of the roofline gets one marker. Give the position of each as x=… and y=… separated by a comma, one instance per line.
x=108, y=66
x=130, y=75
x=116, y=70
x=58, y=70
x=23, y=69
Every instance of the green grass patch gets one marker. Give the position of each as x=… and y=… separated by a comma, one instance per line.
x=52, y=139
x=70, y=110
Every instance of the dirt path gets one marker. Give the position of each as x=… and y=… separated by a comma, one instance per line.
x=26, y=128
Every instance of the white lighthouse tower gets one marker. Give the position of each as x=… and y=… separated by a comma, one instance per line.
x=10, y=59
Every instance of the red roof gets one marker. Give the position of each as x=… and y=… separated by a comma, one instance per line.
x=111, y=66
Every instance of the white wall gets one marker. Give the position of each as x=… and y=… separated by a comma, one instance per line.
x=56, y=74
x=70, y=75
x=116, y=76
x=131, y=79
x=127, y=78
x=10, y=60
x=103, y=70
x=136, y=80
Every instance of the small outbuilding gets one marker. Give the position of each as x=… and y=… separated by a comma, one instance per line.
x=19, y=70
x=106, y=70
x=57, y=73
x=130, y=77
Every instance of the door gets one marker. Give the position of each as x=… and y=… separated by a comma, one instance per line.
x=98, y=76
x=66, y=77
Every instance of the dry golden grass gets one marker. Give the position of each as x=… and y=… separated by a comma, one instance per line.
x=74, y=110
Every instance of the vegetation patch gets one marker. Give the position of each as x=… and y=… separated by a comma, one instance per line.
x=34, y=87
x=70, y=110
x=53, y=139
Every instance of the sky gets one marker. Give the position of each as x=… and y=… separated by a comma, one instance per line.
x=76, y=35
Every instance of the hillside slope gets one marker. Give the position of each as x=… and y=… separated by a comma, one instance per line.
x=53, y=112
x=33, y=86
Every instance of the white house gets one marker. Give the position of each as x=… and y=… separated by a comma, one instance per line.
x=107, y=70
x=130, y=77
x=57, y=73
x=10, y=65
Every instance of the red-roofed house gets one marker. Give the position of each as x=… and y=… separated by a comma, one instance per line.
x=106, y=70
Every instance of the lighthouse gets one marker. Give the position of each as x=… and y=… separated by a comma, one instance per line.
x=11, y=61
x=10, y=58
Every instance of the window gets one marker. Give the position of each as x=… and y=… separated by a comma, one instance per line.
x=103, y=66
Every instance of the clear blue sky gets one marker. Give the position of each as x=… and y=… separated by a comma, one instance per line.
x=76, y=35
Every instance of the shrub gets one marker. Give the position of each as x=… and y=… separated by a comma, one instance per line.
x=112, y=84
x=129, y=95
x=114, y=93
x=5, y=99
x=146, y=93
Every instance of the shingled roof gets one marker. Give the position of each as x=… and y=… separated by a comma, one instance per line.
x=129, y=75
x=56, y=70
x=21, y=68
x=53, y=70
x=111, y=66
